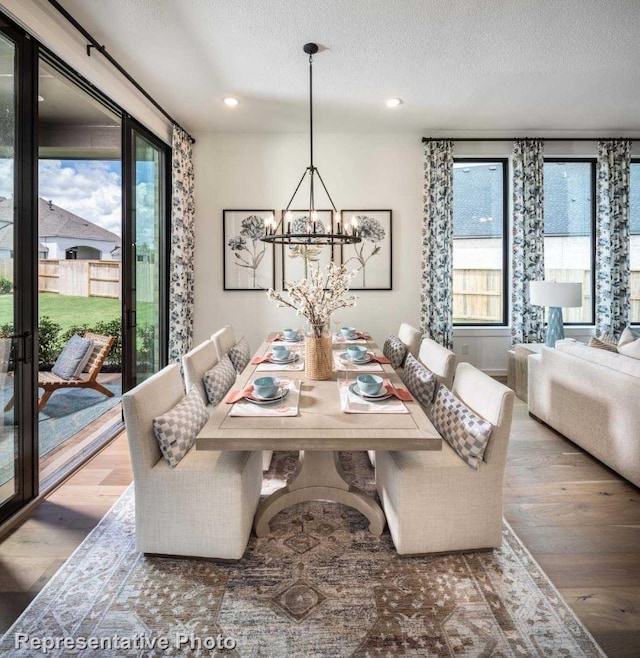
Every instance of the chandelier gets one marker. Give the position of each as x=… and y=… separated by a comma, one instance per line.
x=309, y=230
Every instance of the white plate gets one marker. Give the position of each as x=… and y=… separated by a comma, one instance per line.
x=383, y=395
x=345, y=357
x=281, y=395
x=297, y=339
x=290, y=359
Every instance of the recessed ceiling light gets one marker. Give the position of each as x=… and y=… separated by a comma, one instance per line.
x=229, y=101
x=394, y=102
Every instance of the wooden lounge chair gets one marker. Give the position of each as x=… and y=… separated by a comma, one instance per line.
x=51, y=382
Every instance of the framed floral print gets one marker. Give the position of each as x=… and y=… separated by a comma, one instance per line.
x=247, y=261
x=373, y=255
x=299, y=260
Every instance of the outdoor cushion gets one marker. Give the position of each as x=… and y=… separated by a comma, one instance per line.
x=420, y=381
x=73, y=358
x=240, y=354
x=466, y=432
x=176, y=430
x=219, y=379
x=395, y=350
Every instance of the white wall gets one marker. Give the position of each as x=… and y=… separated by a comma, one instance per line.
x=256, y=171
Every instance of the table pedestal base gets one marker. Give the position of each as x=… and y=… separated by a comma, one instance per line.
x=318, y=477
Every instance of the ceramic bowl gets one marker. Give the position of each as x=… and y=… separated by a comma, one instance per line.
x=369, y=384
x=290, y=334
x=348, y=332
x=280, y=352
x=265, y=387
x=357, y=352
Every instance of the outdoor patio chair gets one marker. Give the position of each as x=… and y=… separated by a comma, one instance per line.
x=51, y=382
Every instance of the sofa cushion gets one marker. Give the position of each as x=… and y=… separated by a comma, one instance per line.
x=420, y=381
x=618, y=362
x=177, y=429
x=240, y=354
x=466, y=432
x=73, y=358
x=219, y=379
x=395, y=350
x=603, y=345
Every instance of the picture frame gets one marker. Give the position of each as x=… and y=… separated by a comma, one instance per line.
x=375, y=253
x=297, y=260
x=248, y=263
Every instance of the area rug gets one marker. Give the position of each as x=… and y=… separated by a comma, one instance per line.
x=320, y=585
x=66, y=413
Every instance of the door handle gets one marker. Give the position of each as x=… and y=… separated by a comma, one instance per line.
x=24, y=346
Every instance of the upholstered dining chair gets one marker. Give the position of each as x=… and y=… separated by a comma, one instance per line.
x=411, y=337
x=435, y=501
x=224, y=339
x=238, y=351
x=440, y=360
x=196, y=364
x=204, y=506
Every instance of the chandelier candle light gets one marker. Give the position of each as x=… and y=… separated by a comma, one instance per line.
x=313, y=232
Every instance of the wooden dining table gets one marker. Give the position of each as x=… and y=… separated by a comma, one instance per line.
x=319, y=431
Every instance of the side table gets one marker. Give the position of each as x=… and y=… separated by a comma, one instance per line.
x=517, y=371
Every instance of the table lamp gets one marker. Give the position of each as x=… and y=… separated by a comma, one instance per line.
x=556, y=296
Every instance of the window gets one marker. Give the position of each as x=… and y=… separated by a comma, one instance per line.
x=479, y=245
x=634, y=238
x=568, y=230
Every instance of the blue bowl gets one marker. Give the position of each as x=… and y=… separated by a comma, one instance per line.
x=357, y=352
x=290, y=334
x=280, y=352
x=369, y=384
x=348, y=332
x=265, y=387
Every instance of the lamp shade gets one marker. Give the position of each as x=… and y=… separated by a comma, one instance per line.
x=555, y=294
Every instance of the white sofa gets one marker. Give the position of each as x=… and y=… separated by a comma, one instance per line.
x=592, y=397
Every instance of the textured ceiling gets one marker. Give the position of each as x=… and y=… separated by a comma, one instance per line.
x=461, y=66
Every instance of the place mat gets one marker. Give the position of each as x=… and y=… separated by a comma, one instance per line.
x=287, y=407
x=360, y=339
x=350, y=366
x=350, y=403
x=265, y=364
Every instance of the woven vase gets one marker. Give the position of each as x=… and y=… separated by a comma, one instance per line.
x=318, y=357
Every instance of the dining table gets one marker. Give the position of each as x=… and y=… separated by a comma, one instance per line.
x=319, y=418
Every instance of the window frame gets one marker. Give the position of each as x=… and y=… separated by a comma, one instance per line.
x=506, y=241
x=633, y=161
x=592, y=250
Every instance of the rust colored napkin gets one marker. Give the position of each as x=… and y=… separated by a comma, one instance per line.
x=236, y=396
x=400, y=393
x=277, y=336
x=363, y=336
x=257, y=360
x=379, y=358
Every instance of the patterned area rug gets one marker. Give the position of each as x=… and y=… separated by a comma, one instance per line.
x=320, y=585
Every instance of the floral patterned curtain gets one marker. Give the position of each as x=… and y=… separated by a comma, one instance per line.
x=181, y=250
x=613, y=286
x=436, y=302
x=527, y=321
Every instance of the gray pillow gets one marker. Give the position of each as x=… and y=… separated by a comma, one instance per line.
x=240, y=354
x=466, y=432
x=219, y=379
x=395, y=350
x=73, y=357
x=420, y=381
x=176, y=430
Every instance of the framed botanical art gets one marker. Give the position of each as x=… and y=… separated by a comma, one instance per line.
x=373, y=255
x=298, y=260
x=247, y=261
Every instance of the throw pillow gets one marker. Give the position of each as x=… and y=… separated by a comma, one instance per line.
x=176, y=430
x=466, y=432
x=240, y=354
x=631, y=349
x=420, y=381
x=73, y=357
x=395, y=350
x=602, y=345
x=219, y=379
x=626, y=337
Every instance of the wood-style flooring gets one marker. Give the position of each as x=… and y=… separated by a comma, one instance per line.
x=580, y=521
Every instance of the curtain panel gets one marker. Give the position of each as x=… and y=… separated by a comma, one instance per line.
x=527, y=321
x=613, y=278
x=436, y=300
x=181, y=256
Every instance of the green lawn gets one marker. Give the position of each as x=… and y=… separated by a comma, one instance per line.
x=68, y=311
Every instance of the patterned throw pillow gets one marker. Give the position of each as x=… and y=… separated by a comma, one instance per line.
x=600, y=344
x=395, y=350
x=466, y=432
x=176, y=430
x=240, y=354
x=419, y=380
x=219, y=379
x=73, y=357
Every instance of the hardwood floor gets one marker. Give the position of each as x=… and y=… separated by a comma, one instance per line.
x=580, y=521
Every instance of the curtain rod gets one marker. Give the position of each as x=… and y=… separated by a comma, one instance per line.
x=511, y=139
x=102, y=49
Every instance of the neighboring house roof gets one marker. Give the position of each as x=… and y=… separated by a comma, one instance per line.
x=56, y=222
